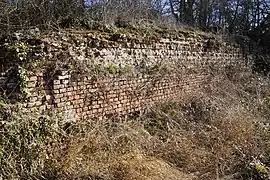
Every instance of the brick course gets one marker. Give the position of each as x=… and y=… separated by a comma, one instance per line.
x=106, y=96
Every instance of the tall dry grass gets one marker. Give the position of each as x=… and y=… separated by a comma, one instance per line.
x=222, y=132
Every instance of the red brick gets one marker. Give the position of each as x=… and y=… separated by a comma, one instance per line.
x=63, y=90
x=57, y=96
x=96, y=106
x=57, y=100
x=56, y=82
x=31, y=84
x=43, y=108
x=30, y=105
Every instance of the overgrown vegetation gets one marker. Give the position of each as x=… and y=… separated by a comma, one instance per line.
x=223, y=133
x=247, y=18
x=244, y=17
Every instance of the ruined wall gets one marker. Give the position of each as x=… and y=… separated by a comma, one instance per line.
x=116, y=78
x=91, y=97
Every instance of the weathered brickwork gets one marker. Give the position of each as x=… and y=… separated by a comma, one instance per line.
x=157, y=72
x=105, y=97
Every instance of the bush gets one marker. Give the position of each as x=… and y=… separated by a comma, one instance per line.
x=26, y=142
x=23, y=15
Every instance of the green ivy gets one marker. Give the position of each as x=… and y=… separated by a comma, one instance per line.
x=112, y=69
x=17, y=51
x=23, y=80
x=1, y=102
x=125, y=69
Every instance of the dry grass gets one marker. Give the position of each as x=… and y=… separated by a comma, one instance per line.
x=222, y=133
x=116, y=150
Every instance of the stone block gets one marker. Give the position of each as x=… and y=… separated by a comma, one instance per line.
x=64, y=77
x=63, y=90
x=30, y=104
x=33, y=78
x=96, y=106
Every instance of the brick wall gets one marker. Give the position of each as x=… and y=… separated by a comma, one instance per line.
x=84, y=96
x=90, y=97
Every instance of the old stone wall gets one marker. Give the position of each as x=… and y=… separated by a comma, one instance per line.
x=96, y=78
